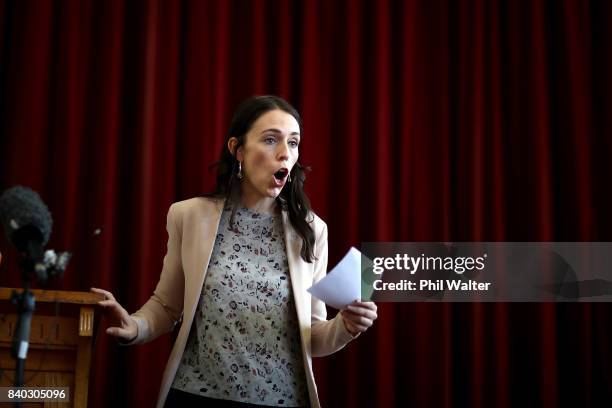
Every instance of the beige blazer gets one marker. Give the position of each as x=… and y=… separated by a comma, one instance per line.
x=192, y=228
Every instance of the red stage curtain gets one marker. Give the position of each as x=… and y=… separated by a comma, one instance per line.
x=424, y=121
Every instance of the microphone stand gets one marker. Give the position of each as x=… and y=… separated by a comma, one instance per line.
x=25, y=302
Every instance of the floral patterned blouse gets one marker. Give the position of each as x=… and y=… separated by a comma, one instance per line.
x=244, y=344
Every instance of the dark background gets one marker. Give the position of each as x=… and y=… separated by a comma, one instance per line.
x=424, y=121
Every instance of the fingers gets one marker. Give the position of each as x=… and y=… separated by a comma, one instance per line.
x=114, y=331
x=365, y=309
x=352, y=325
x=361, y=311
x=358, y=318
x=114, y=310
x=110, y=304
x=106, y=293
x=367, y=305
x=119, y=332
x=127, y=328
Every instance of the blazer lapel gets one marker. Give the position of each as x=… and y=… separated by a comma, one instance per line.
x=208, y=225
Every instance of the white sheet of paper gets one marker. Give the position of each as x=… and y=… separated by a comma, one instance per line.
x=342, y=285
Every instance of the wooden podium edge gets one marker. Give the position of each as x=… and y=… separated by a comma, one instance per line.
x=61, y=296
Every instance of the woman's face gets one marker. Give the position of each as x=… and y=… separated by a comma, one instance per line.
x=269, y=153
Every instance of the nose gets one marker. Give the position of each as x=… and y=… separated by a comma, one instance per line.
x=282, y=151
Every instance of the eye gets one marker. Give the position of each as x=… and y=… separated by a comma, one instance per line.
x=294, y=143
x=269, y=140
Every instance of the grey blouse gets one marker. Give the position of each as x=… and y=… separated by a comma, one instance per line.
x=244, y=344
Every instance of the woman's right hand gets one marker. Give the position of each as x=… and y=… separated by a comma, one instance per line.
x=123, y=326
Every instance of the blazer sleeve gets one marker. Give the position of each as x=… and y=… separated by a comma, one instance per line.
x=327, y=336
x=164, y=308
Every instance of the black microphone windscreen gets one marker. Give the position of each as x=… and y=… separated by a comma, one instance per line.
x=24, y=216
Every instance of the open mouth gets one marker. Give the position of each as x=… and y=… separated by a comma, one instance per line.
x=281, y=174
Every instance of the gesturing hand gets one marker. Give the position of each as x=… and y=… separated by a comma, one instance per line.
x=359, y=316
x=122, y=325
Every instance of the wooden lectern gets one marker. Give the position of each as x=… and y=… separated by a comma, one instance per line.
x=61, y=340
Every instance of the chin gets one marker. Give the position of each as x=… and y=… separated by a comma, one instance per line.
x=274, y=193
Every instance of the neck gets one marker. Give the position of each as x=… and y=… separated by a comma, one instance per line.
x=259, y=204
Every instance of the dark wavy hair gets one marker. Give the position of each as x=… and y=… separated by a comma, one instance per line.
x=292, y=198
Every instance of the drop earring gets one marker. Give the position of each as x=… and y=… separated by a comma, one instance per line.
x=289, y=178
x=240, y=175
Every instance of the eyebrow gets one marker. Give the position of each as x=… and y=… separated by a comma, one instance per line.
x=278, y=131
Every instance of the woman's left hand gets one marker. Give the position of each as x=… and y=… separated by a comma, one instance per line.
x=359, y=316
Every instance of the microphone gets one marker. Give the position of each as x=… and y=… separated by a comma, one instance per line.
x=27, y=224
x=25, y=218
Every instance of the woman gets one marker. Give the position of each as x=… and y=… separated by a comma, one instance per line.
x=236, y=271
